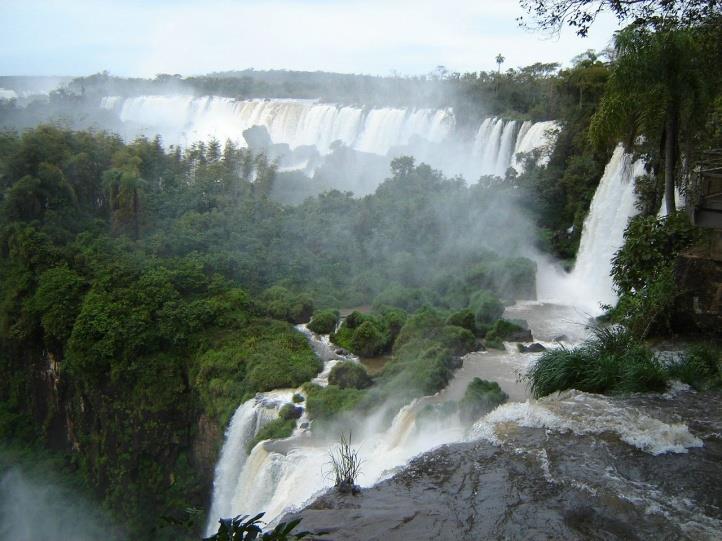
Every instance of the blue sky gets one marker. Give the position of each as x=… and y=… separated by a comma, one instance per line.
x=132, y=37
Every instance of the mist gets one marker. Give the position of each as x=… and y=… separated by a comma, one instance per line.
x=32, y=508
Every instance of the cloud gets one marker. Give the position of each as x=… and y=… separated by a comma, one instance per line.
x=372, y=36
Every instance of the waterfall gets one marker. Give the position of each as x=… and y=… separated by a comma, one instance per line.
x=590, y=283
x=279, y=477
x=532, y=137
x=248, y=419
x=428, y=134
x=296, y=122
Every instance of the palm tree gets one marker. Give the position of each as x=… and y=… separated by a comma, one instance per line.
x=499, y=61
x=658, y=89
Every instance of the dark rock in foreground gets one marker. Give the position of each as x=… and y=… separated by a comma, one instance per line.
x=542, y=485
x=531, y=348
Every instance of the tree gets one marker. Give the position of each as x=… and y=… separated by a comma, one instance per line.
x=659, y=88
x=553, y=15
x=499, y=61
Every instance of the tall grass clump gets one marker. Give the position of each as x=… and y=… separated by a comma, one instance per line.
x=345, y=465
x=611, y=362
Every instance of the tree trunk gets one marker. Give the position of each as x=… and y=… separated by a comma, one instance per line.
x=670, y=159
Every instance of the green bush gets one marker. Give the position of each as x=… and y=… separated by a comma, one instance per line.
x=643, y=271
x=289, y=411
x=368, y=340
x=325, y=403
x=481, y=396
x=275, y=430
x=464, y=319
x=486, y=307
x=503, y=329
x=324, y=321
x=349, y=374
x=279, y=303
x=611, y=362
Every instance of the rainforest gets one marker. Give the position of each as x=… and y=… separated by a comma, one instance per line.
x=452, y=305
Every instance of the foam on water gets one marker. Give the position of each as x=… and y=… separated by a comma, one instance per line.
x=585, y=413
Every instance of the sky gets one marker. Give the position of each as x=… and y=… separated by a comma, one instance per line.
x=380, y=37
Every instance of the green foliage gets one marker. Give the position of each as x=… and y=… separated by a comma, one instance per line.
x=501, y=330
x=369, y=335
x=642, y=271
x=611, y=362
x=486, y=307
x=481, y=396
x=282, y=304
x=289, y=411
x=368, y=340
x=349, y=374
x=276, y=429
x=324, y=321
x=57, y=300
x=326, y=403
x=464, y=319
x=247, y=528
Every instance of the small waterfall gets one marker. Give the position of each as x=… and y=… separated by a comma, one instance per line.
x=613, y=205
x=248, y=419
x=278, y=478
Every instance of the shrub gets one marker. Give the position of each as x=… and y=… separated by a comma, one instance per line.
x=276, y=429
x=486, y=307
x=289, y=411
x=368, y=340
x=349, y=374
x=643, y=271
x=613, y=361
x=481, y=396
x=503, y=329
x=464, y=319
x=247, y=528
x=279, y=303
x=323, y=403
x=324, y=321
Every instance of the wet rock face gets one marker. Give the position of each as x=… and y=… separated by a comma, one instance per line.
x=542, y=485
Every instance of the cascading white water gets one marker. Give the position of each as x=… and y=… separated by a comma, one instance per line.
x=428, y=134
x=590, y=282
x=278, y=478
x=184, y=119
x=248, y=419
x=534, y=136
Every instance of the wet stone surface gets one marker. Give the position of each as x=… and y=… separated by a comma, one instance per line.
x=541, y=484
